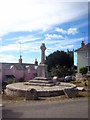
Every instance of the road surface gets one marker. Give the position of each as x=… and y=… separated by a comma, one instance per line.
x=70, y=108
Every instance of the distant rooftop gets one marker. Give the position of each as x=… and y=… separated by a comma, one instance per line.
x=17, y=65
x=84, y=47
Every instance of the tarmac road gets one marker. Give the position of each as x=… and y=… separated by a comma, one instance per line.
x=70, y=108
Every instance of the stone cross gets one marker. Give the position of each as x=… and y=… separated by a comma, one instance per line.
x=43, y=48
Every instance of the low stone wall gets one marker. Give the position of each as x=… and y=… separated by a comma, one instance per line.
x=13, y=90
x=31, y=94
x=50, y=93
x=22, y=93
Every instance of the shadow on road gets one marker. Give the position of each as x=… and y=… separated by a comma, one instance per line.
x=7, y=113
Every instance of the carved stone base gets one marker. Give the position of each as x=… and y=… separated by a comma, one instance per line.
x=42, y=71
x=42, y=77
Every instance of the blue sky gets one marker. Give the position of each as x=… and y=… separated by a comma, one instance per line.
x=60, y=25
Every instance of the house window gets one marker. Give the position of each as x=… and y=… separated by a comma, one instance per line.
x=29, y=71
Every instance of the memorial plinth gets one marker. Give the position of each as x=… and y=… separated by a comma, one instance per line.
x=42, y=71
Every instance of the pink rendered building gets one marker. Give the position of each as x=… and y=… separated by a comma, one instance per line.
x=18, y=71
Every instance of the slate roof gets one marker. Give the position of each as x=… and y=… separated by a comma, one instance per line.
x=85, y=47
x=17, y=65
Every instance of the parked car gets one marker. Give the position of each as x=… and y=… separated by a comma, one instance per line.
x=68, y=78
x=55, y=78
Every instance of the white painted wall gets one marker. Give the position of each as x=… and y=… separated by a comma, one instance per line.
x=0, y=72
x=83, y=59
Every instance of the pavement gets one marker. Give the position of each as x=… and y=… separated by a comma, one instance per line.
x=68, y=108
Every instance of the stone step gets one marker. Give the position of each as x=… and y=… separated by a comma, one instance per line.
x=40, y=78
x=41, y=81
x=39, y=84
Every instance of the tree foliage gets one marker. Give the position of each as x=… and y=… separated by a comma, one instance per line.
x=83, y=70
x=60, y=58
x=58, y=71
x=75, y=67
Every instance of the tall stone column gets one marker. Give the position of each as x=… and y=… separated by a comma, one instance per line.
x=43, y=48
x=42, y=68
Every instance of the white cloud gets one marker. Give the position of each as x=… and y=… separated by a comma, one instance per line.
x=58, y=47
x=28, y=15
x=0, y=41
x=62, y=44
x=28, y=48
x=25, y=47
x=53, y=36
x=61, y=30
x=72, y=31
x=10, y=47
x=23, y=39
x=7, y=58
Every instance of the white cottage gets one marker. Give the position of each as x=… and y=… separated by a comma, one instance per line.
x=83, y=56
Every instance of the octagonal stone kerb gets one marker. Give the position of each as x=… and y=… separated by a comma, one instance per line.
x=18, y=90
x=45, y=93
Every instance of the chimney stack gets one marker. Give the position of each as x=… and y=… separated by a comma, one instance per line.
x=36, y=62
x=20, y=60
x=82, y=44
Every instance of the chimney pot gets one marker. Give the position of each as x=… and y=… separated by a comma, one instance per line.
x=82, y=44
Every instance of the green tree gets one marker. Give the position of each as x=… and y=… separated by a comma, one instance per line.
x=60, y=58
x=58, y=71
x=83, y=70
x=75, y=67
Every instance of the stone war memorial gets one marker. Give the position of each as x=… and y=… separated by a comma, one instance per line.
x=42, y=85
x=42, y=73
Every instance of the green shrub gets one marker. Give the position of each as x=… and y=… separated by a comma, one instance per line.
x=83, y=70
x=75, y=71
x=10, y=81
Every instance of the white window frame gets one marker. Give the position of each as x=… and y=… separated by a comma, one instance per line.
x=29, y=71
